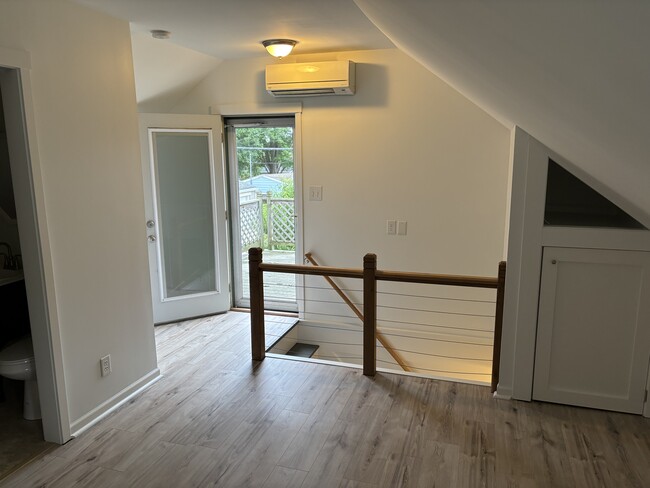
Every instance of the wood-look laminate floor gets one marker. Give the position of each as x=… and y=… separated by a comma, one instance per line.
x=217, y=419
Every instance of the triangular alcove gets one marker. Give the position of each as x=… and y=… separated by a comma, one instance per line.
x=571, y=202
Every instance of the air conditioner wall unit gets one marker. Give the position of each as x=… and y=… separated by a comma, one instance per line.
x=311, y=79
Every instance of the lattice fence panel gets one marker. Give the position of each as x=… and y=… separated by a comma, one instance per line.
x=250, y=218
x=281, y=222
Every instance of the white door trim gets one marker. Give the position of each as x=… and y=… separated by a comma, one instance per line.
x=35, y=247
x=255, y=109
x=298, y=207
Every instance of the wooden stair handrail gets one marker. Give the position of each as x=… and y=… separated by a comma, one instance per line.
x=380, y=337
x=310, y=270
x=438, y=279
x=404, y=277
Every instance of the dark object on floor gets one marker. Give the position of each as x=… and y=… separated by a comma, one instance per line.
x=302, y=350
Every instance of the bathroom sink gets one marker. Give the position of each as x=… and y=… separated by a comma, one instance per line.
x=8, y=276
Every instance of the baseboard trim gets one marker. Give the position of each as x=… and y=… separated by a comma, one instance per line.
x=98, y=413
x=503, y=393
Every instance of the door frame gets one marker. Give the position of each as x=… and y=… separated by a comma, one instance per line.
x=15, y=80
x=148, y=123
x=267, y=110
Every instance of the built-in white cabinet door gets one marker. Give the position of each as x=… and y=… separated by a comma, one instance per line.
x=593, y=331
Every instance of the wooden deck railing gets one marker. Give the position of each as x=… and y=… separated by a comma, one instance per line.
x=370, y=275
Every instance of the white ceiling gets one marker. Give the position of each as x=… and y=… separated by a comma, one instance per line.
x=228, y=29
x=206, y=32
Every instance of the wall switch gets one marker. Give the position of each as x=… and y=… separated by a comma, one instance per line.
x=391, y=227
x=105, y=364
x=401, y=227
x=316, y=193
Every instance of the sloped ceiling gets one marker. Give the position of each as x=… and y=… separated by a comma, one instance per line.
x=165, y=72
x=574, y=74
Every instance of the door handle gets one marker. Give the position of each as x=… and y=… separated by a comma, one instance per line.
x=151, y=238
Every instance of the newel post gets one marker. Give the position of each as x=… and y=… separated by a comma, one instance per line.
x=498, y=325
x=256, y=280
x=369, y=314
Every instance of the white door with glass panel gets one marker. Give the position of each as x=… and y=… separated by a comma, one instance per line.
x=185, y=214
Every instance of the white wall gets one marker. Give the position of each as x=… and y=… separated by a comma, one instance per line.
x=86, y=128
x=406, y=146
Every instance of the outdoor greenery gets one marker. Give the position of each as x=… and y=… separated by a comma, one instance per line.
x=267, y=150
x=264, y=150
x=286, y=191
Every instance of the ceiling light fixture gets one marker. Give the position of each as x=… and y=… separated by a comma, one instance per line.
x=160, y=34
x=279, y=47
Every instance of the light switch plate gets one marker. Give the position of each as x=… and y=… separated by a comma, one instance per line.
x=315, y=193
x=401, y=227
x=105, y=365
x=391, y=227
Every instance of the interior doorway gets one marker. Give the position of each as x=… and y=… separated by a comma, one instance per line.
x=27, y=265
x=265, y=205
x=21, y=430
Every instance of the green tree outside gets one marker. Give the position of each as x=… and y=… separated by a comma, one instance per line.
x=264, y=150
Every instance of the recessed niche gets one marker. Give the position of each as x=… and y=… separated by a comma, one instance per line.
x=571, y=202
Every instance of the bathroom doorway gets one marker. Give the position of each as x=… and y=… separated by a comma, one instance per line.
x=21, y=428
x=32, y=225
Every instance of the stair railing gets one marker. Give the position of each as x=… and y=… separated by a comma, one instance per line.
x=370, y=275
x=380, y=337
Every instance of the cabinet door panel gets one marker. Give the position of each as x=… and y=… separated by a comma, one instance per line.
x=593, y=332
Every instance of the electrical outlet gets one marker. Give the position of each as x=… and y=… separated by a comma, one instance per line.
x=401, y=227
x=315, y=193
x=105, y=365
x=391, y=227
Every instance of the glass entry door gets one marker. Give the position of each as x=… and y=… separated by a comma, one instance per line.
x=185, y=210
x=263, y=174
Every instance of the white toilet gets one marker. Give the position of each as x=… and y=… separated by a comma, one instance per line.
x=17, y=363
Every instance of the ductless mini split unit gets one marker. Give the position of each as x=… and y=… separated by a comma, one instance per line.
x=311, y=79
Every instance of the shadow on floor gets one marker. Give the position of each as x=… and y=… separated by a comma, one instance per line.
x=20, y=440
